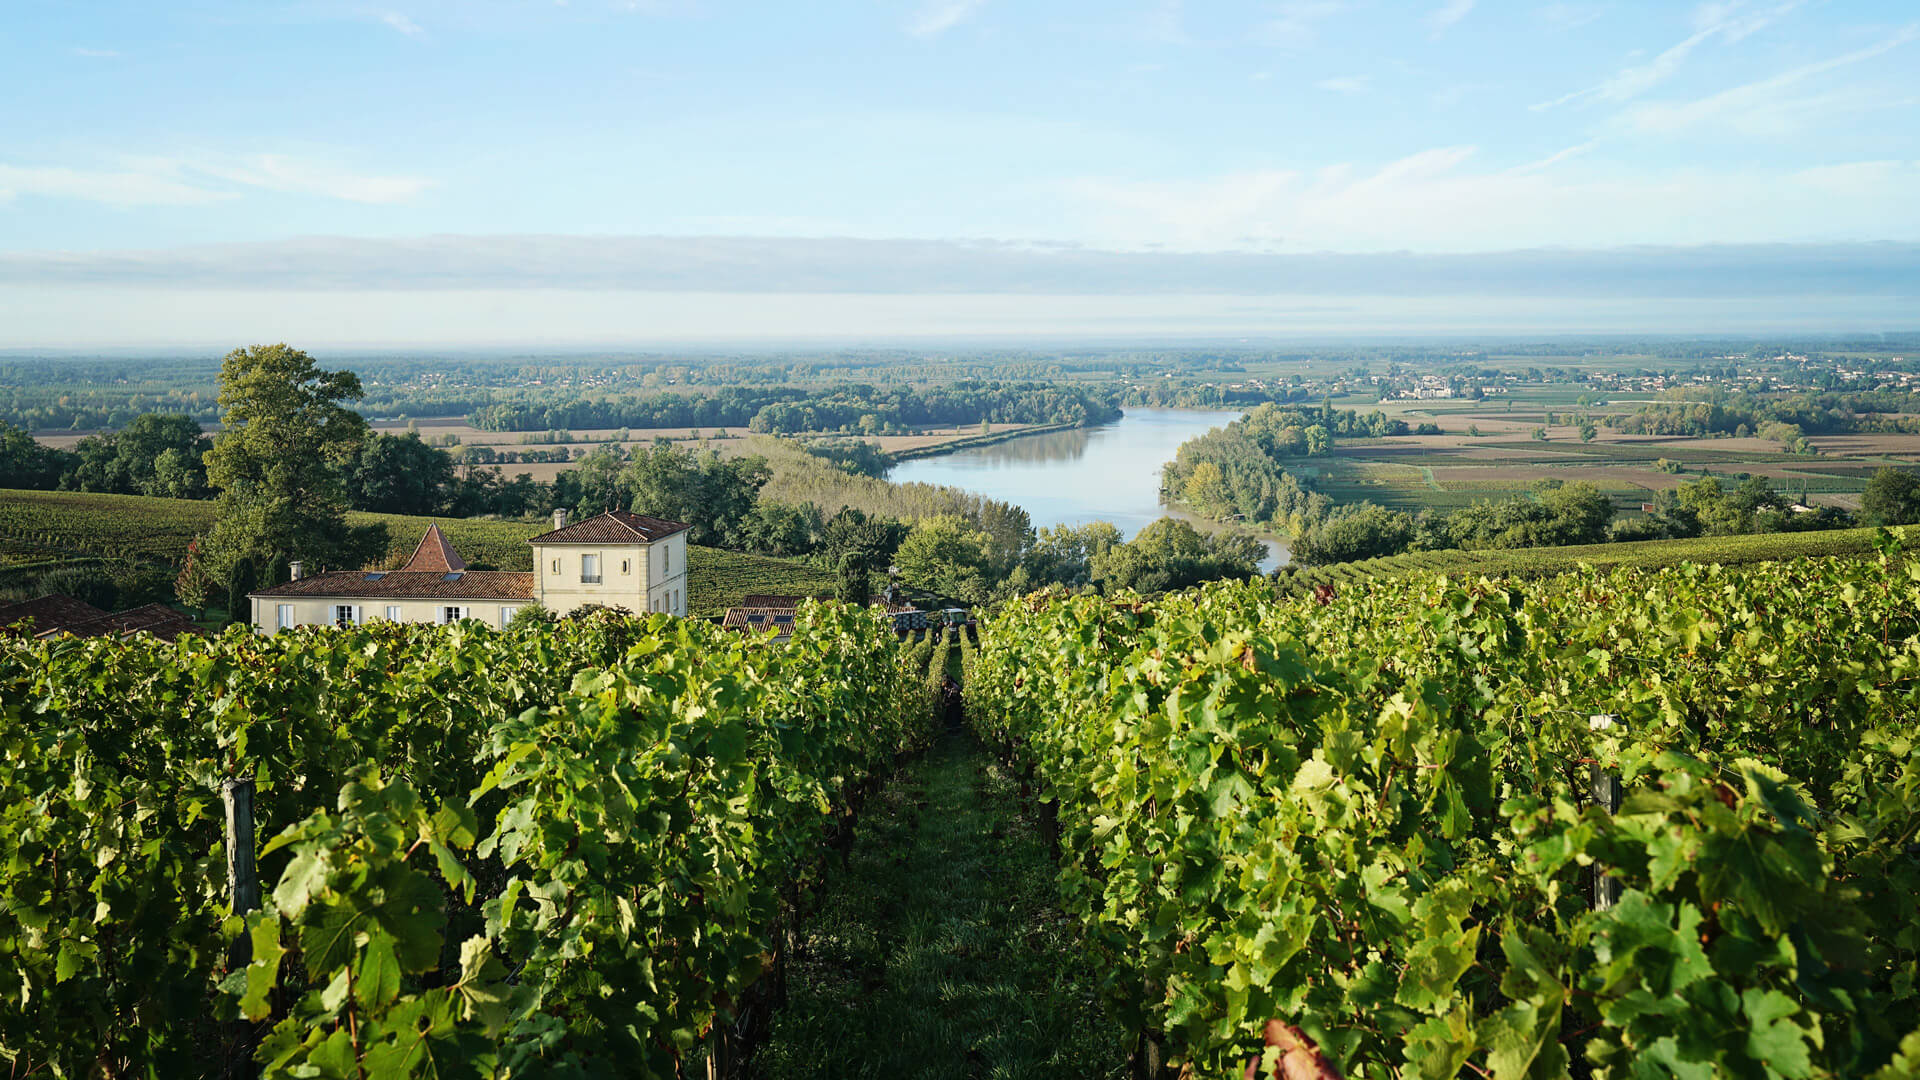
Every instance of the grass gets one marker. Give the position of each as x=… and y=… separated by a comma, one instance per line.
x=939, y=952
x=55, y=526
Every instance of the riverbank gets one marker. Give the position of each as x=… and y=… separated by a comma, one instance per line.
x=955, y=445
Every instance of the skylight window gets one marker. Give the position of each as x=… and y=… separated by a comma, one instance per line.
x=455, y=576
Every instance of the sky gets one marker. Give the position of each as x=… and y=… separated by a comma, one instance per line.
x=468, y=172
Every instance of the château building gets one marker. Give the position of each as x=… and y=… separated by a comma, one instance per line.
x=618, y=559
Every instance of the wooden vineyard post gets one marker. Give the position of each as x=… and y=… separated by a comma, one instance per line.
x=243, y=890
x=1606, y=795
x=243, y=880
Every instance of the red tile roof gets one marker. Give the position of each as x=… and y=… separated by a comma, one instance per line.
x=509, y=585
x=435, y=555
x=614, y=527
x=56, y=614
x=49, y=611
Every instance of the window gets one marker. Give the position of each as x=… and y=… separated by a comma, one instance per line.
x=626, y=566
x=286, y=616
x=666, y=560
x=589, y=569
x=345, y=615
x=556, y=566
x=393, y=612
x=452, y=613
x=506, y=615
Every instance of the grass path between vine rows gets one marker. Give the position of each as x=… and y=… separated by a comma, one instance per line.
x=939, y=951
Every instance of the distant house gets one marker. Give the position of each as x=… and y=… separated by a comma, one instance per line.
x=618, y=559
x=56, y=614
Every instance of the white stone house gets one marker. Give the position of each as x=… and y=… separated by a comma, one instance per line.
x=618, y=559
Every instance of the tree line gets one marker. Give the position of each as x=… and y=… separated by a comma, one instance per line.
x=858, y=408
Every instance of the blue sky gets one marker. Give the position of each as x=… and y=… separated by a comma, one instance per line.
x=514, y=165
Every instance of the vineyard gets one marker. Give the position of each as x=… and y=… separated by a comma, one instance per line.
x=1623, y=823
x=1548, y=561
x=45, y=528
x=570, y=850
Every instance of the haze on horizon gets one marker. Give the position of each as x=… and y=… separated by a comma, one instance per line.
x=476, y=172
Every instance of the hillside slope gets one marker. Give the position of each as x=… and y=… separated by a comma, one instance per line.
x=39, y=528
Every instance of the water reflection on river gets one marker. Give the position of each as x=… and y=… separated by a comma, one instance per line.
x=1105, y=473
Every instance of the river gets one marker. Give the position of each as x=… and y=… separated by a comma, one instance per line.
x=1105, y=473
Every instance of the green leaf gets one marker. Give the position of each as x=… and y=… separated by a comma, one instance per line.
x=377, y=981
x=263, y=970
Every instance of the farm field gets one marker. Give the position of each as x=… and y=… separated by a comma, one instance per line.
x=1462, y=468
x=52, y=526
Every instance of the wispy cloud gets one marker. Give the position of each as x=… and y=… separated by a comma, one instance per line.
x=1435, y=201
x=1296, y=22
x=400, y=22
x=201, y=179
x=1562, y=15
x=1347, y=84
x=1448, y=14
x=109, y=187
x=97, y=54
x=1762, y=106
x=1729, y=21
x=1555, y=158
x=939, y=16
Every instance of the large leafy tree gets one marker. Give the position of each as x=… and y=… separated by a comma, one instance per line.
x=400, y=474
x=278, y=463
x=24, y=463
x=158, y=454
x=946, y=555
x=713, y=494
x=1892, y=498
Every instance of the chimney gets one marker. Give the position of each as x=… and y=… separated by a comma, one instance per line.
x=560, y=518
x=298, y=569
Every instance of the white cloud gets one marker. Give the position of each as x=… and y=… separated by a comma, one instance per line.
x=402, y=23
x=1346, y=84
x=1761, y=107
x=940, y=16
x=1557, y=157
x=1432, y=202
x=1729, y=21
x=184, y=181
x=1448, y=13
x=278, y=172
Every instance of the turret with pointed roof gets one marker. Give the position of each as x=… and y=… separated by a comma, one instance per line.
x=435, y=555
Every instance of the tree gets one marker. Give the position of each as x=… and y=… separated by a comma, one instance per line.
x=713, y=494
x=400, y=474
x=277, y=463
x=157, y=454
x=945, y=555
x=855, y=585
x=24, y=463
x=196, y=584
x=1588, y=431
x=1892, y=497
x=1172, y=554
